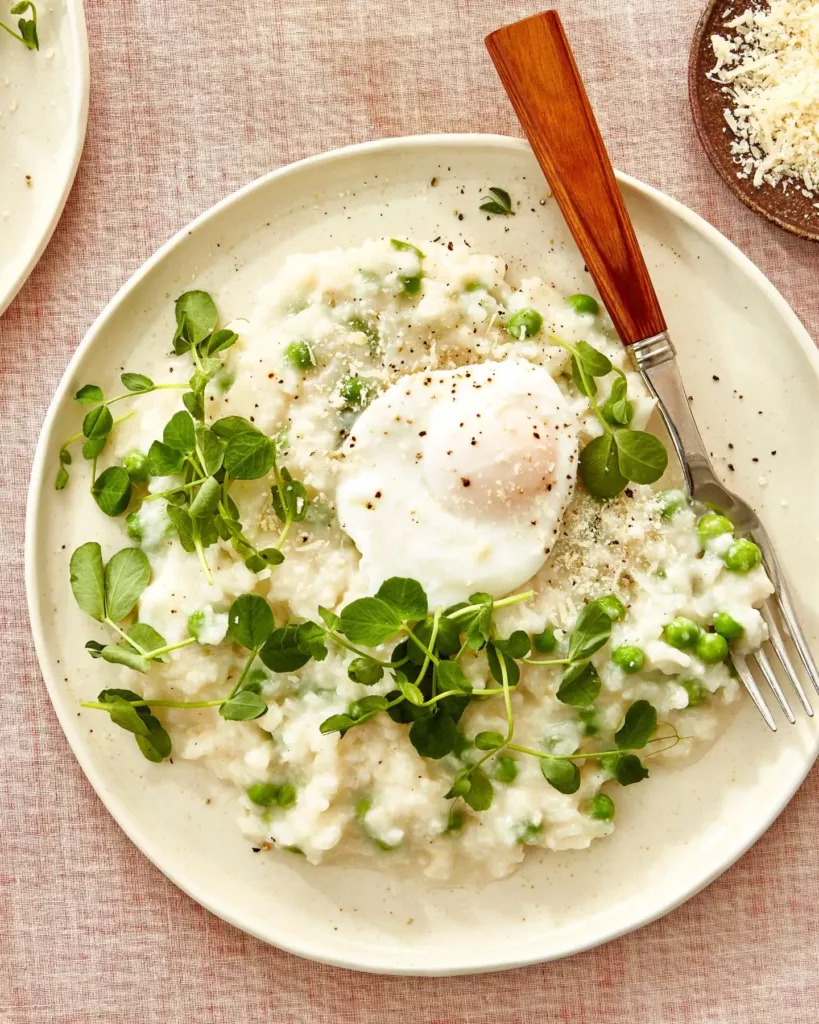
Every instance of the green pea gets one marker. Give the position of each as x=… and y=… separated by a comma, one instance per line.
x=133, y=526
x=713, y=525
x=629, y=658
x=195, y=622
x=286, y=796
x=546, y=641
x=506, y=770
x=263, y=793
x=356, y=323
x=697, y=693
x=681, y=633
x=357, y=392
x=411, y=285
x=742, y=556
x=526, y=323
x=601, y=807
x=672, y=502
x=475, y=286
x=711, y=648
x=581, y=303
x=612, y=606
x=136, y=466
x=529, y=834
x=727, y=626
x=300, y=355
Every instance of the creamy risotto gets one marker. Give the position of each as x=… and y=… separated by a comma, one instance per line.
x=429, y=422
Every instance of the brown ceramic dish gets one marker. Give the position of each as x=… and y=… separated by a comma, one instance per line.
x=791, y=211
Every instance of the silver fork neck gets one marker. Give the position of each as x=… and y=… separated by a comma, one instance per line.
x=652, y=351
x=654, y=358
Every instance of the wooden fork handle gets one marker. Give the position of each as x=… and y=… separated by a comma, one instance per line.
x=538, y=71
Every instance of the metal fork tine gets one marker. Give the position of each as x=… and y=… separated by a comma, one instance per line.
x=760, y=658
x=778, y=645
x=796, y=634
x=753, y=690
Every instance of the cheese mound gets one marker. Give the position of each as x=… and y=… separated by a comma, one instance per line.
x=770, y=67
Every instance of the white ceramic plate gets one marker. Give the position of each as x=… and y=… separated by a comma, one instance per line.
x=43, y=114
x=676, y=832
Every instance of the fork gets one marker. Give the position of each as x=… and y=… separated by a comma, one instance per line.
x=538, y=71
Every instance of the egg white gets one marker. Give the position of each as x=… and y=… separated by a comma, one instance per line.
x=459, y=478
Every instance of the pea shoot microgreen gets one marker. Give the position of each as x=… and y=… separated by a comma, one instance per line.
x=620, y=454
x=497, y=202
x=207, y=457
x=27, y=27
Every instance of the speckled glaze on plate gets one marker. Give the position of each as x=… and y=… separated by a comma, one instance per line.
x=43, y=115
x=789, y=210
x=677, y=831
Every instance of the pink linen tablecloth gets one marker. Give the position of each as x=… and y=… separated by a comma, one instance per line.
x=191, y=99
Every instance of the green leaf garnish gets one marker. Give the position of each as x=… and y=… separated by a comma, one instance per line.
x=580, y=686
x=249, y=455
x=112, y=491
x=369, y=621
x=179, y=433
x=641, y=456
x=563, y=775
x=498, y=202
x=137, y=382
x=250, y=621
x=196, y=319
x=599, y=468
x=127, y=575
x=88, y=579
x=591, y=631
x=639, y=725
x=406, y=597
x=434, y=736
x=244, y=707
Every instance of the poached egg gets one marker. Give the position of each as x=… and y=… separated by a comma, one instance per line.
x=459, y=478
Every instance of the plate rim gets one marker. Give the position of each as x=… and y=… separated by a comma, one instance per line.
x=76, y=19
x=39, y=479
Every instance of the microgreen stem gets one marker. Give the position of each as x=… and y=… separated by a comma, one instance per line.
x=170, y=647
x=200, y=552
x=441, y=696
x=288, y=521
x=147, y=391
x=242, y=675
x=343, y=642
x=14, y=35
x=173, y=490
x=129, y=640
x=600, y=753
x=588, y=384
x=504, y=602
x=421, y=646
x=436, y=619
x=158, y=704
x=555, y=661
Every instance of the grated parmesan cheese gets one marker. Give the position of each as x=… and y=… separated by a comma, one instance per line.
x=769, y=65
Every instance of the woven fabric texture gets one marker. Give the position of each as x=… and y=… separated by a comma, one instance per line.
x=191, y=99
